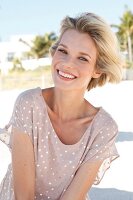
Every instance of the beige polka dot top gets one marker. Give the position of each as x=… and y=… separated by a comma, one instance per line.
x=57, y=163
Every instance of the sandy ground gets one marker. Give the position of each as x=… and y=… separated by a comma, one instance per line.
x=117, y=184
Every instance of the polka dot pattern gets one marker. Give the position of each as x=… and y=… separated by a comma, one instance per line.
x=57, y=163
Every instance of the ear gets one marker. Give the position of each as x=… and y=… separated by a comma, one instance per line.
x=96, y=74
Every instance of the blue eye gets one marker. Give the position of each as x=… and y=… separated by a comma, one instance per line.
x=83, y=59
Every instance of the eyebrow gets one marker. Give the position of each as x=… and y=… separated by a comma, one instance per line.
x=82, y=53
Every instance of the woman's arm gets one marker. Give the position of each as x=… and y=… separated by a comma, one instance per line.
x=82, y=181
x=23, y=166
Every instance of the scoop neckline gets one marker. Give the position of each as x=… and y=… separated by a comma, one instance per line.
x=85, y=132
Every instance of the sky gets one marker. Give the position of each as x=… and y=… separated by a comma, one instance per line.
x=18, y=17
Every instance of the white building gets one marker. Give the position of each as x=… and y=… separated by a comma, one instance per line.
x=17, y=47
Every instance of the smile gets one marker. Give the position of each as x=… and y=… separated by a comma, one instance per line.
x=66, y=75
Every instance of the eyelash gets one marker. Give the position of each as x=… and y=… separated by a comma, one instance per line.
x=83, y=59
x=62, y=50
x=80, y=58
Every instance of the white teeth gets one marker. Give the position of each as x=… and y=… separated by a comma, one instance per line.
x=66, y=75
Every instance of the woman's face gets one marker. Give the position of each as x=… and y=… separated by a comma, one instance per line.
x=73, y=64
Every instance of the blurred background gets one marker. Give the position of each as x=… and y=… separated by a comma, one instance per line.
x=27, y=30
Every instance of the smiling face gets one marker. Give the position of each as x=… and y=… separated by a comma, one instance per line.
x=73, y=63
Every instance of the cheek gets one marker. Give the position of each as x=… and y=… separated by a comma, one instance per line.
x=56, y=59
x=85, y=71
x=54, y=62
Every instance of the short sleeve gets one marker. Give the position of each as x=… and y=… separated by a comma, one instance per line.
x=103, y=148
x=22, y=116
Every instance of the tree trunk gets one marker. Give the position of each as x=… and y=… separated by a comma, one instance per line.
x=129, y=47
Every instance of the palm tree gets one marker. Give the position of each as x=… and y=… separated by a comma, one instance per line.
x=41, y=44
x=125, y=33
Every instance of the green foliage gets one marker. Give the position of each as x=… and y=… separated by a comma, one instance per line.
x=41, y=44
x=129, y=65
x=125, y=33
x=17, y=65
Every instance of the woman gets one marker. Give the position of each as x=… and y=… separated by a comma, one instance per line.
x=60, y=143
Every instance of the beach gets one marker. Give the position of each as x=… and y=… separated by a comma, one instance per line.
x=117, y=184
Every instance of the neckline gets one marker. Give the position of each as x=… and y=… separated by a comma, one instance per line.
x=85, y=132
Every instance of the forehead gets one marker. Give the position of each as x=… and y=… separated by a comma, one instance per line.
x=76, y=39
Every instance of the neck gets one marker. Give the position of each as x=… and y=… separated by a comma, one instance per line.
x=68, y=105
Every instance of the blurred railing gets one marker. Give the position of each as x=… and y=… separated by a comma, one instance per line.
x=8, y=83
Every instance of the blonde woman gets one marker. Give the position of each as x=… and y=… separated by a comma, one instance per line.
x=60, y=143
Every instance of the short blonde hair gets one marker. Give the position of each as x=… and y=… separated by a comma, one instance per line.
x=108, y=59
